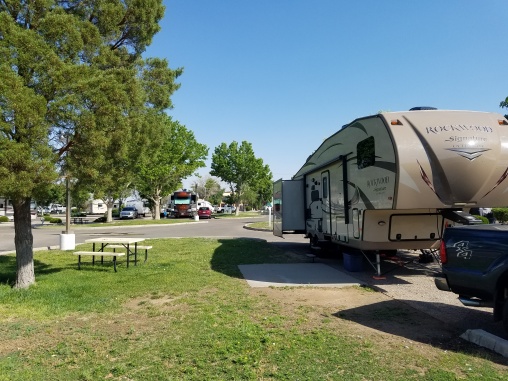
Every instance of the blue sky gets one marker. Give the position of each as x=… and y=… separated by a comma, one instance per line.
x=284, y=75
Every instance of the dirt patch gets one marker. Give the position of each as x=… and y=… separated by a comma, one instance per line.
x=365, y=312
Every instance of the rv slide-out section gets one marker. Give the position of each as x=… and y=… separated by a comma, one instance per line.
x=392, y=180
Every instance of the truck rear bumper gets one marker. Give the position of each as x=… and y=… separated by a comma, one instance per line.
x=441, y=282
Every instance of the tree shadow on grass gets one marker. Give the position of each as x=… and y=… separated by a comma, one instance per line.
x=246, y=251
x=8, y=269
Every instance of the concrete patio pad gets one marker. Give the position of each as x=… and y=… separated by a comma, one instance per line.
x=295, y=274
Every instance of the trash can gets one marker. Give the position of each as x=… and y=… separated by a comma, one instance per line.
x=353, y=262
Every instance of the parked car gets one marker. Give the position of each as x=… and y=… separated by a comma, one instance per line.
x=57, y=209
x=229, y=209
x=204, y=212
x=129, y=212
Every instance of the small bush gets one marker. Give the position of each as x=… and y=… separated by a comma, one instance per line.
x=101, y=219
x=4, y=219
x=485, y=220
x=500, y=214
x=56, y=221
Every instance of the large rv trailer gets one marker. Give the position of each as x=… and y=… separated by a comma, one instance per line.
x=390, y=181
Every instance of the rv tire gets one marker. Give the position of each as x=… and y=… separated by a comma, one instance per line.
x=314, y=241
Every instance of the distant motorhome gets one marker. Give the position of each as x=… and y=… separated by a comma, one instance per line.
x=183, y=203
x=392, y=180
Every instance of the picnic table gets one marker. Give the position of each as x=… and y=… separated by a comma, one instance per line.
x=80, y=220
x=126, y=242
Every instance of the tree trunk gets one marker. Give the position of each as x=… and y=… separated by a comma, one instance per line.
x=23, y=240
x=157, y=207
x=109, y=216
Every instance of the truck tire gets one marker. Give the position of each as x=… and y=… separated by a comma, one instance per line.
x=505, y=315
x=314, y=241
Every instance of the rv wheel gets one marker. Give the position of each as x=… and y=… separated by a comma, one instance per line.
x=314, y=241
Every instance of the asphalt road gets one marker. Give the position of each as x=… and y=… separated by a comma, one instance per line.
x=49, y=237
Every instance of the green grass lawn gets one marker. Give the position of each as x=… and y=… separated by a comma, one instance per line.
x=187, y=314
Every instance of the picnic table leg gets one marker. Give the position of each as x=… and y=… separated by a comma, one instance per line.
x=114, y=263
x=135, y=253
x=146, y=254
x=79, y=262
x=128, y=255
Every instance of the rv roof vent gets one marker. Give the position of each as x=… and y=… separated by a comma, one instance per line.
x=422, y=108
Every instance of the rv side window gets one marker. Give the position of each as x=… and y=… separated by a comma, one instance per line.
x=325, y=187
x=365, y=153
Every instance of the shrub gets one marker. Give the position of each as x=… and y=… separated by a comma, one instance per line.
x=56, y=221
x=500, y=214
x=485, y=220
x=4, y=219
x=101, y=219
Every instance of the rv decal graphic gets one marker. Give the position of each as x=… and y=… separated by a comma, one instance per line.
x=378, y=181
x=328, y=148
x=466, y=139
x=458, y=128
x=469, y=153
x=463, y=249
x=426, y=178
x=359, y=193
x=501, y=179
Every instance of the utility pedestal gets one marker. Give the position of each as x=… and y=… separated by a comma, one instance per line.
x=67, y=241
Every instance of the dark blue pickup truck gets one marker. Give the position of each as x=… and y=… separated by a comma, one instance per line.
x=475, y=266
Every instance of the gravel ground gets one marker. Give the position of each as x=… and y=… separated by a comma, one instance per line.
x=411, y=282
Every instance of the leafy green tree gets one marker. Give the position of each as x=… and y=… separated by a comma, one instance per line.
x=80, y=198
x=207, y=187
x=54, y=193
x=65, y=68
x=238, y=167
x=174, y=154
x=216, y=199
x=250, y=198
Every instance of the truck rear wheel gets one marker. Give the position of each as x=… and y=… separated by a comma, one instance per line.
x=505, y=315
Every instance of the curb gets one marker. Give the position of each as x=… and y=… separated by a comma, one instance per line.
x=486, y=340
x=247, y=227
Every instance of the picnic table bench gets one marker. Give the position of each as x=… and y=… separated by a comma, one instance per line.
x=139, y=247
x=93, y=254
